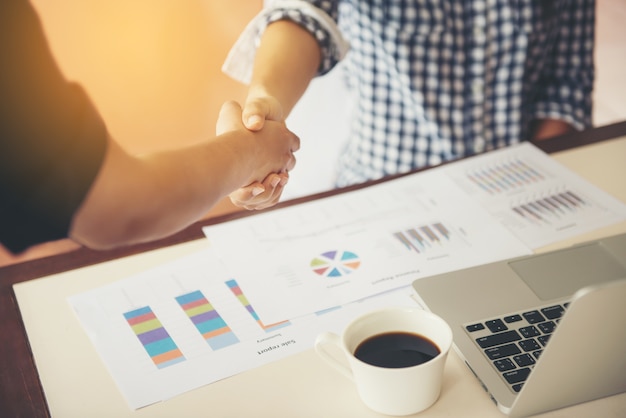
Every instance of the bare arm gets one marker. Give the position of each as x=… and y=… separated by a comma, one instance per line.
x=286, y=61
x=136, y=199
x=548, y=128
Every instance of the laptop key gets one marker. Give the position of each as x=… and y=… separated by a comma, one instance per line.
x=533, y=317
x=474, y=327
x=547, y=327
x=498, y=339
x=512, y=318
x=530, y=331
x=496, y=325
x=524, y=360
x=517, y=387
x=504, y=364
x=544, y=339
x=502, y=351
x=516, y=376
x=529, y=345
x=553, y=312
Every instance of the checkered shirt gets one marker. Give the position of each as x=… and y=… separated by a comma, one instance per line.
x=443, y=79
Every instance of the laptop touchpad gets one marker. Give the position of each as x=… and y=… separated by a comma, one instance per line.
x=562, y=273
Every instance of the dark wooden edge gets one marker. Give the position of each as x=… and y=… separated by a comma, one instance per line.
x=21, y=393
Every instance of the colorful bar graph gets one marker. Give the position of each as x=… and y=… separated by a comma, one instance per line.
x=443, y=231
x=234, y=287
x=422, y=238
x=207, y=320
x=506, y=176
x=154, y=338
x=551, y=208
x=404, y=240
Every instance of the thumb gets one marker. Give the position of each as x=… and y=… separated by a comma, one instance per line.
x=259, y=109
x=229, y=118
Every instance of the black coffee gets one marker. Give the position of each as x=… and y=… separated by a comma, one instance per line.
x=396, y=349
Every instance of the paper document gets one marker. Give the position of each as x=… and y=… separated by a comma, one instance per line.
x=333, y=251
x=535, y=197
x=301, y=259
x=188, y=323
x=270, y=283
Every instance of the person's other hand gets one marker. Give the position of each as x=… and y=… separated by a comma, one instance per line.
x=549, y=128
x=260, y=195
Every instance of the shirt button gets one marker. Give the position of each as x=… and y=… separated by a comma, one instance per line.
x=477, y=88
x=479, y=33
x=479, y=145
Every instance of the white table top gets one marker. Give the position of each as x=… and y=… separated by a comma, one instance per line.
x=77, y=383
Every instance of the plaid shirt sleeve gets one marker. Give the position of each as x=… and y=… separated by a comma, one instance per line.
x=330, y=48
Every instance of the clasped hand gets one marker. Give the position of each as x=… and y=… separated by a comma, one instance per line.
x=275, y=146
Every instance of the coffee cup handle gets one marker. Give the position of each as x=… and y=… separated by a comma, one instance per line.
x=329, y=338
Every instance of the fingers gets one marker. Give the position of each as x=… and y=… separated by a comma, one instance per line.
x=229, y=118
x=259, y=196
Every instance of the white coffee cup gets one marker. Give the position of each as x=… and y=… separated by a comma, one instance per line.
x=391, y=390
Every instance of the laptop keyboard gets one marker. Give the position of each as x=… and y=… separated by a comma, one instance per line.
x=514, y=342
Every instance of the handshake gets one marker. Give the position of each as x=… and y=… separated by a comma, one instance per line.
x=266, y=153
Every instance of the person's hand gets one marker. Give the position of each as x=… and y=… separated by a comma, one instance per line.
x=265, y=191
x=258, y=109
x=549, y=128
x=260, y=195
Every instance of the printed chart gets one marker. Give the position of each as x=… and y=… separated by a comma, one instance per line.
x=553, y=207
x=154, y=338
x=426, y=238
x=234, y=287
x=335, y=263
x=178, y=341
x=337, y=250
x=503, y=176
x=533, y=196
x=207, y=320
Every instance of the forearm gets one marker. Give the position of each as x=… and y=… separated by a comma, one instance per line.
x=286, y=61
x=138, y=199
x=549, y=128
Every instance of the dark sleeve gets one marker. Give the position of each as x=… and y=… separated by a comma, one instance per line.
x=52, y=140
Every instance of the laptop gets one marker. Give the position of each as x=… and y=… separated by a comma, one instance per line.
x=540, y=332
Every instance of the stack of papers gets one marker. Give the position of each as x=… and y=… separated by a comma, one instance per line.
x=270, y=283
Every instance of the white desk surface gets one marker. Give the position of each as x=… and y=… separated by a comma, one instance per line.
x=77, y=384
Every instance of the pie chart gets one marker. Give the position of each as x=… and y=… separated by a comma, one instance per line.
x=335, y=263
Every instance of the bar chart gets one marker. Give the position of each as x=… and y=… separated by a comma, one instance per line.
x=236, y=290
x=552, y=208
x=504, y=176
x=207, y=320
x=420, y=239
x=155, y=339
